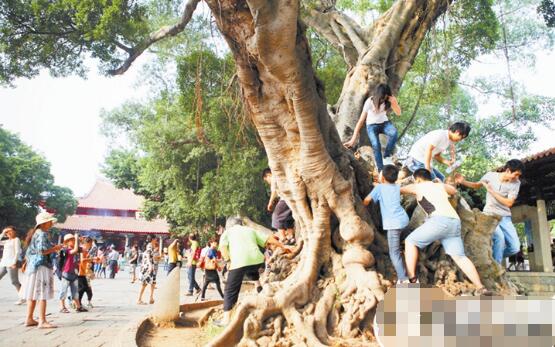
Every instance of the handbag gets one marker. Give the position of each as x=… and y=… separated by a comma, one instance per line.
x=70, y=276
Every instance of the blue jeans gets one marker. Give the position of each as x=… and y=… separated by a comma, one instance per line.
x=192, y=281
x=394, y=242
x=413, y=165
x=374, y=131
x=505, y=239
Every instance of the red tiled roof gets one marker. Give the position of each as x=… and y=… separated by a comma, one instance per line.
x=115, y=224
x=105, y=196
x=546, y=153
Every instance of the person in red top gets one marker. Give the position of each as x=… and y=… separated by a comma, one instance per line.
x=68, y=273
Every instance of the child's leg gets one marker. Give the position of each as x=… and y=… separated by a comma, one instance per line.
x=411, y=257
x=394, y=242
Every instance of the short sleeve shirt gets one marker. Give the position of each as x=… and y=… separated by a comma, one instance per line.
x=389, y=198
x=437, y=138
x=374, y=116
x=243, y=244
x=39, y=242
x=433, y=198
x=506, y=189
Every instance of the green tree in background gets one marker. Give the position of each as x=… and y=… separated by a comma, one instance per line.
x=193, y=154
x=26, y=183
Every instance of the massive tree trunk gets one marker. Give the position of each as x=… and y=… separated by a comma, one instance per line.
x=381, y=53
x=331, y=288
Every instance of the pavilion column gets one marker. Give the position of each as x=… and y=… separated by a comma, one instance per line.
x=541, y=236
x=127, y=241
x=161, y=242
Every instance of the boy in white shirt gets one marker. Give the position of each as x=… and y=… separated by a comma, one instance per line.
x=431, y=145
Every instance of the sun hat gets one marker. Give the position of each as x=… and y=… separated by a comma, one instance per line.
x=44, y=217
x=68, y=237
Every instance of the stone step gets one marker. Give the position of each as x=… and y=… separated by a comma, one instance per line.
x=547, y=294
x=535, y=282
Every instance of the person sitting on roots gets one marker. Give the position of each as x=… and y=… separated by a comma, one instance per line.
x=241, y=245
x=443, y=223
x=431, y=145
x=502, y=191
x=282, y=216
x=374, y=114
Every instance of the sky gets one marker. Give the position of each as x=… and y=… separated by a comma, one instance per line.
x=60, y=117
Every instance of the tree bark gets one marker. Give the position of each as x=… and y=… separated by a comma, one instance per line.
x=330, y=289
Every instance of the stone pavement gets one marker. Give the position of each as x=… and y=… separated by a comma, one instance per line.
x=114, y=309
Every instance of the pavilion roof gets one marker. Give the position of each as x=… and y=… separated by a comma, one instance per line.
x=538, y=179
x=114, y=224
x=104, y=195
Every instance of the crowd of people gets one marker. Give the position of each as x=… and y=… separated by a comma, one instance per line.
x=239, y=251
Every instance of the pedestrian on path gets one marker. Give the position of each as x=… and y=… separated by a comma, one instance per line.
x=173, y=255
x=83, y=280
x=10, y=258
x=113, y=258
x=242, y=245
x=67, y=272
x=211, y=267
x=133, y=261
x=39, y=264
x=193, y=258
x=147, y=275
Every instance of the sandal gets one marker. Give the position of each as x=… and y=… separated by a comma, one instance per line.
x=151, y=301
x=63, y=310
x=140, y=302
x=483, y=292
x=31, y=324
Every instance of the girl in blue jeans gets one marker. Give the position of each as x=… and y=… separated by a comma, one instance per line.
x=374, y=113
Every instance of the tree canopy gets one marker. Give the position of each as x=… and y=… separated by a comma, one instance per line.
x=26, y=183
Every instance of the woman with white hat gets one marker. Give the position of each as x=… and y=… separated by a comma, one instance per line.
x=40, y=277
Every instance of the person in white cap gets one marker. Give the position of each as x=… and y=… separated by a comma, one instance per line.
x=39, y=264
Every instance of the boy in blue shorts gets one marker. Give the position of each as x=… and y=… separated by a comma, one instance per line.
x=443, y=223
x=394, y=217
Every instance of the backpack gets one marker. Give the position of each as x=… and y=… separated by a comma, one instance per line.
x=196, y=256
x=60, y=264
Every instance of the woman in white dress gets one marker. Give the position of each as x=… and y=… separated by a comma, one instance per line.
x=10, y=258
x=39, y=265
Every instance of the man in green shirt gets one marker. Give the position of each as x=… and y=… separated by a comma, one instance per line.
x=241, y=245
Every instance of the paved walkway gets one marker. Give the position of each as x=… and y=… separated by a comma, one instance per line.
x=114, y=309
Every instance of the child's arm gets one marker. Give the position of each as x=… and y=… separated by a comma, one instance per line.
x=428, y=158
x=367, y=200
x=359, y=125
x=75, y=249
x=409, y=189
x=459, y=179
x=450, y=189
x=395, y=105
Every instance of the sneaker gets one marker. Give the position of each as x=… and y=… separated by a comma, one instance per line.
x=20, y=302
x=81, y=309
x=388, y=161
x=219, y=323
x=258, y=289
x=402, y=281
x=89, y=305
x=202, y=299
x=197, y=291
x=189, y=294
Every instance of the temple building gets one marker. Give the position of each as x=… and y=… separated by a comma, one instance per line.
x=113, y=216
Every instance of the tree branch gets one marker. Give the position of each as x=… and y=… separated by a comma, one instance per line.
x=156, y=36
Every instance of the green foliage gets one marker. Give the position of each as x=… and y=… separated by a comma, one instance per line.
x=59, y=35
x=547, y=10
x=193, y=154
x=26, y=182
